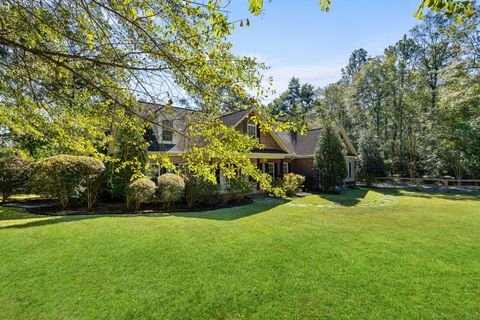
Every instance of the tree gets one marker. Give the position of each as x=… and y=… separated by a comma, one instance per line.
x=356, y=61
x=457, y=131
x=420, y=96
x=371, y=90
x=76, y=68
x=295, y=104
x=370, y=161
x=126, y=155
x=329, y=159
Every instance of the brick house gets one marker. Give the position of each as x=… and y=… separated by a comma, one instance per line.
x=283, y=152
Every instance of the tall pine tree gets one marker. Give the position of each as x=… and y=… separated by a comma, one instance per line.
x=329, y=159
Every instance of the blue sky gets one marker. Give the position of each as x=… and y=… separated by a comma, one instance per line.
x=296, y=38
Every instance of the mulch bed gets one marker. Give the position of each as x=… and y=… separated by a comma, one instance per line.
x=52, y=208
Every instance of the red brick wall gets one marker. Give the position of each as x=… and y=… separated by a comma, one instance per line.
x=305, y=168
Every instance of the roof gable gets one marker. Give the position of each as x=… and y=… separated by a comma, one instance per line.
x=304, y=145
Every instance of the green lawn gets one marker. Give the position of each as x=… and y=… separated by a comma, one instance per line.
x=363, y=254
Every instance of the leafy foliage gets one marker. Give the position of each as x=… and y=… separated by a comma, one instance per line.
x=14, y=173
x=371, y=163
x=141, y=190
x=329, y=159
x=237, y=190
x=420, y=97
x=450, y=8
x=171, y=188
x=71, y=78
x=292, y=183
x=198, y=190
x=295, y=104
x=127, y=157
x=93, y=169
x=66, y=177
x=59, y=177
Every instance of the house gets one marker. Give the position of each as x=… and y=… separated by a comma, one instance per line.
x=283, y=152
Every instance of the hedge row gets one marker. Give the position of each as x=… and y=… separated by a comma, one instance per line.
x=67, y=178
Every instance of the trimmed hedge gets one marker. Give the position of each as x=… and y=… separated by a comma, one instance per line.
x=14, y=173
x=142, y=190
x=66, y=177
x=170, y=188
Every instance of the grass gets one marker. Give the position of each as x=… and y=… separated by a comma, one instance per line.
x=363, y=254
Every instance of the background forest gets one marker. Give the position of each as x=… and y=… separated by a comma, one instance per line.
x=421, y=98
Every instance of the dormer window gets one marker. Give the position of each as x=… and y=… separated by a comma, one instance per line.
x=167, y=130
x=252, y=129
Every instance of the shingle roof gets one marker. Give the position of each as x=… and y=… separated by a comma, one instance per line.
x=296, y=144
x=233, y=118
x=301, y=145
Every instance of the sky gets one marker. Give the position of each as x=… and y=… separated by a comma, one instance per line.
x=296, y=38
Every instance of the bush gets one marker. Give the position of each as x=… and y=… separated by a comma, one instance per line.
x=14, y=172
x=198, y=190
x=237, y=190
x=292, y=183
x=93, y=170
x=171, y=188
x=66, y=177
x=59, y=177
x=142, y=190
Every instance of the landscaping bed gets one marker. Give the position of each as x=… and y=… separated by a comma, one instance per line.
x=52, y=208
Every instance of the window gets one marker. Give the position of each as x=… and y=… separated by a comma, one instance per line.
x=167, y=130
x=270, y=169
x=252, y=129
x=349, y=169
x=285, y=168
x=155, y=170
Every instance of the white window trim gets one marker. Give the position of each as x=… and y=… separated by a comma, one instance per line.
x=163, y=128
x=268, y=164
x=251, y=124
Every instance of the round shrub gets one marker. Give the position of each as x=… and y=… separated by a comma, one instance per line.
x=14, y=172
x=142, y=190
x=198, y=190
x=58, y=177
x=66, y=177
x=171, y=188
x=292, y=183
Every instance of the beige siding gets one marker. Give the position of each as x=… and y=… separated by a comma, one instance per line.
x=265, y=137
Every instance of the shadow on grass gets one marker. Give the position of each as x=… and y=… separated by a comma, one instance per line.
x=13, y=213
x=229, y=214
x=347, y=198
x=224, y=214
x=427, y=194
x=50, y=220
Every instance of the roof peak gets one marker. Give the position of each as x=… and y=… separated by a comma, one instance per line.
x=174, y=107
x=242, y=110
